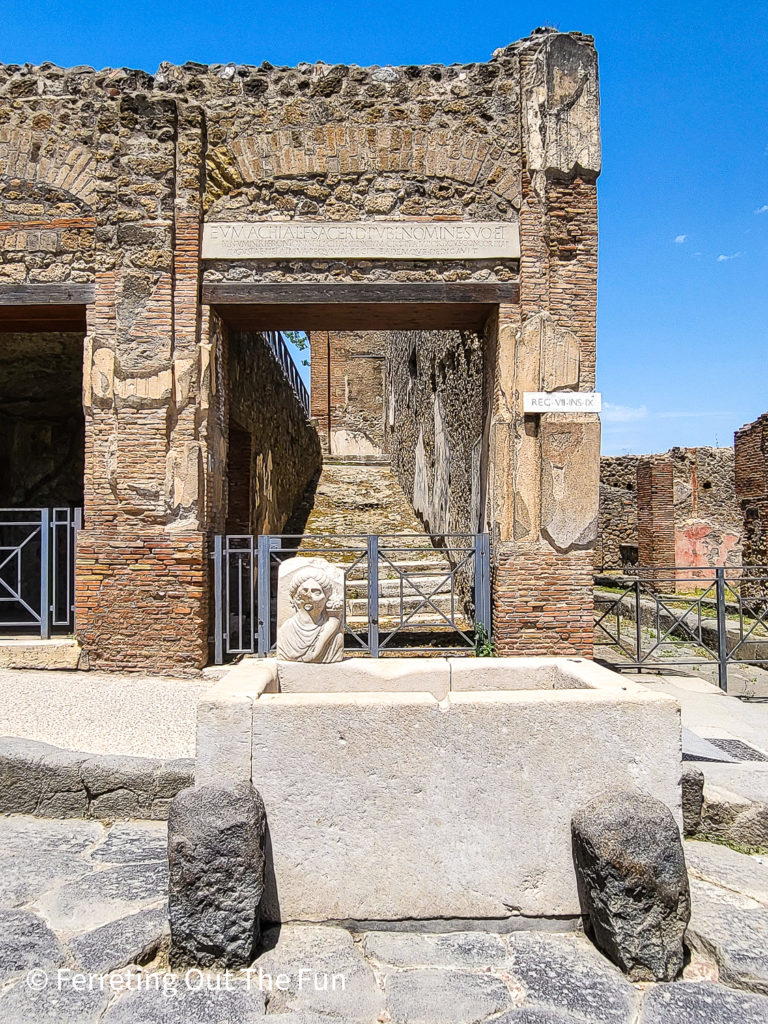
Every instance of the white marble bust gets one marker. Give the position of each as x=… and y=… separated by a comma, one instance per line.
x=314, y=633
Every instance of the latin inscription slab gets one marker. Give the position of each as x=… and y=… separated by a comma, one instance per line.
x=362, y=240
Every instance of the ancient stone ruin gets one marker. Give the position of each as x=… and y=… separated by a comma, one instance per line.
x=156, y=230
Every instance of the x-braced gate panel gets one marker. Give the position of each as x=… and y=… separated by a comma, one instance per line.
x=404, y=593
x=37, y=569
x=684, y=616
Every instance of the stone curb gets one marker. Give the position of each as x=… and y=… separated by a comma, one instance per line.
x=733, y=817
x=46, y=781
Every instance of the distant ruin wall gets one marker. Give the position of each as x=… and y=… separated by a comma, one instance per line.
x=348, y=390
x=434, y=422
x=751, y=445
x=284, y=447
x=707, y=513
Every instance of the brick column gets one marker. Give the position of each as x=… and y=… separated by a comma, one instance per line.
x=141, y=580
x=655, y=519
x=543, y=470
x=320, y=391
x=751, y=473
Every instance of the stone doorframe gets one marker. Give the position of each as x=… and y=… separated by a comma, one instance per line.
x=539, y=472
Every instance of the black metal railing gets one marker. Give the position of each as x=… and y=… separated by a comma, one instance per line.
x=280, y=350
x=403, y=593
x=37, y=568
x=683, y=616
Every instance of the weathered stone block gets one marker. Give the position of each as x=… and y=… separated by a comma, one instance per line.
x=693, y=797
x=632, y=882
x=216, y=860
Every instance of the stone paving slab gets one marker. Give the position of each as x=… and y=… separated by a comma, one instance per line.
x=328, y=953
x=88, y=898
x=27, y=942
x=188, y=1006
x=24, y=1005
x=567, y=972
x=702, y=1003
x=128, y=940
x=729, y=912
x=736, y=937
x=431, y=996
x=104, y=896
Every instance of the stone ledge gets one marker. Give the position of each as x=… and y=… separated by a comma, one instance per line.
x=48, y=782
x=61, y=653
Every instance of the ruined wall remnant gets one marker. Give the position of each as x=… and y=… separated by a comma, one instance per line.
x=42, y=430
x=348, y=390
x=434, y=424
x=655, y=517
x=284, y=447
x=707, y=517
x=751, y=446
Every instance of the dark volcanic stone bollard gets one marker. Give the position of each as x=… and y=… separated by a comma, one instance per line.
x=632, y=882
x=692, y=783
x=216, y=862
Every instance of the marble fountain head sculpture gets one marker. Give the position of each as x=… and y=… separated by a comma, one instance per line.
x=314, y=632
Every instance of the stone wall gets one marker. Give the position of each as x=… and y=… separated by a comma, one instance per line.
x=348, y=390
x=434, y=424
x=42, y=429
x=107, y=178
x=751, y=444
x=707, y=517
x=284, y=447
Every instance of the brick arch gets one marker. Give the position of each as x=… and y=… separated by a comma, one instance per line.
x=340, y=148
x=44, y=160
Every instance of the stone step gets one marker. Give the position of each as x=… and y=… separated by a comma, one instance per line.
x=390, y=606
x=436, y=624
x=61, y=653
x=410, y=567
x=390, y=586
x=356, y=460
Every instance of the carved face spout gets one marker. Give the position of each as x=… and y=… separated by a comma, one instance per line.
x=311, y=598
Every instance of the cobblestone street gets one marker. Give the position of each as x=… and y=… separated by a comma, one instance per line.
x=79, y=898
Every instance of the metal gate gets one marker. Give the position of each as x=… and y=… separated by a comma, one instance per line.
x=37, y=569
x=404, y=593
x=682, y=616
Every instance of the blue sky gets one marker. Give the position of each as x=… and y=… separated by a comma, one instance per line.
x=683, y=292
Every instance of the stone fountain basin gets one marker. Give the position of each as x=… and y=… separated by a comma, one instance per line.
x=412, y=789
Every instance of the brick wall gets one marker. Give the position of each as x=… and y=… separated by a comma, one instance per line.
x=348, y=390
x=141, y=601
x=655, y=516
x=751, y=446
x=284, y=447
x=543, y=471
x=543, y=603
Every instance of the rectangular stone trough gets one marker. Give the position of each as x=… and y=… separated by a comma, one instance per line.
x=419, y=789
